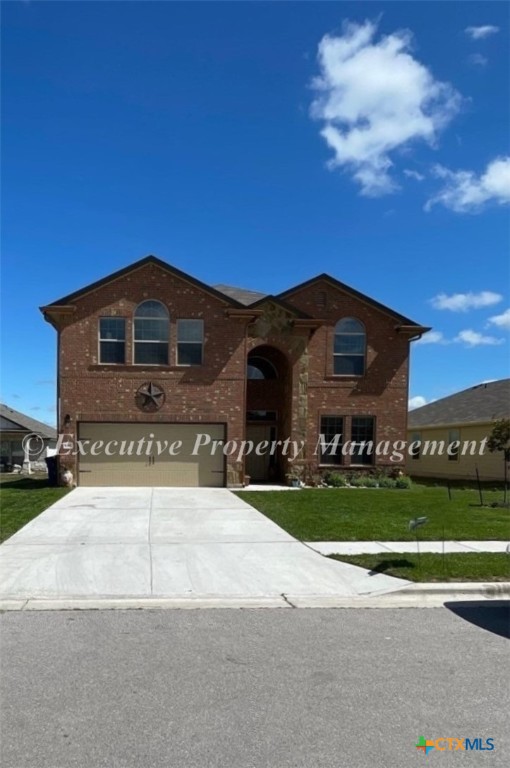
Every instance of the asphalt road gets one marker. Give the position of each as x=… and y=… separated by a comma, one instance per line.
x=267, y=688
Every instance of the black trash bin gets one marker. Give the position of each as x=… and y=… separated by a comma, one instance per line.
x=51, y=463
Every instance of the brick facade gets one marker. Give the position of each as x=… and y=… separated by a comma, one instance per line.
x=294, y=331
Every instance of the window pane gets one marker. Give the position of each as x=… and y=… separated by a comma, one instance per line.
x=112, y=328
x=415, y=452
x=151, y=354
x=151, y=330
x=362, y=431
x=362, y=428
x=453, y=450
x=189, y=354
x=349, y=325
x=331, y=440
x=260, y=368
x=112, y=352
x=346, y=344
x=190, y=330
x=151, y=309
x=362, y=454
x=261, y=416
x=349, y=365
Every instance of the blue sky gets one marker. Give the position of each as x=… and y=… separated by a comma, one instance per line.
x=258, y=144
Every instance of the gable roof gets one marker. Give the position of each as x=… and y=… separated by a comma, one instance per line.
x=65, y=300
x=482, y=403
x=324, y=277
x=239, y=298
x=12, y=421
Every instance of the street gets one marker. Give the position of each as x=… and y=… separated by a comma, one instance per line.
x=267, y=688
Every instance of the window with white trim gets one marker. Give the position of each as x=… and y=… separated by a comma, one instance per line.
x=151, y=333
x=349, y=348
x=112, y=340
x=190, y=342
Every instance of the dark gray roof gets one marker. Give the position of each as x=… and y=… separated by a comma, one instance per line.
x=483, y=403
x=242, y=295
x=15, y=421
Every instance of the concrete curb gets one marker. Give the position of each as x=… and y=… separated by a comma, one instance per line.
x=488, y=589
x=414, y=596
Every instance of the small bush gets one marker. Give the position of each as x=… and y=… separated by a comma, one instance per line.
x=387, y=482
x=403, y=482
x=336, y=479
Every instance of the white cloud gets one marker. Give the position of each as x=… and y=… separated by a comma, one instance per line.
x=432, y=337
x=413, y=174
x=462, y=302
x=502, y=321
x=475, y=339
x=374, y=98
x=416, y=402
x=478, y=60
x=479, y=33
x=465, y=192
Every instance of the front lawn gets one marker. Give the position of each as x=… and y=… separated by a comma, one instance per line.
x=468, y=566
x=323, y=514
x=23, y=498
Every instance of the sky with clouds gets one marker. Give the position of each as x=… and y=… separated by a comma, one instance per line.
x=258, y=144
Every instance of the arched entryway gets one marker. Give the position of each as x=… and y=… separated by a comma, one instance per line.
x=267, y=411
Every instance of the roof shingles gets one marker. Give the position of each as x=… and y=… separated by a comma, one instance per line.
x=480, y=404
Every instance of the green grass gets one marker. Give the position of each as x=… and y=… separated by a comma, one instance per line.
x=324, y=514
x=23, y=498
x=469, y=566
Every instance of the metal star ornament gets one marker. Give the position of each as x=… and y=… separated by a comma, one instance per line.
x=150, y=397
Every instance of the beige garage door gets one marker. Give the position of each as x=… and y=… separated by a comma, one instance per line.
x=150, y=455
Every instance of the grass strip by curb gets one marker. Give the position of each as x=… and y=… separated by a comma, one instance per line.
x=464, y=566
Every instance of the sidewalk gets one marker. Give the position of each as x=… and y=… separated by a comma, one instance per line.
x=399, y=547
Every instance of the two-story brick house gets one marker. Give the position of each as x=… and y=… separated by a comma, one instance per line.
x=151, y=354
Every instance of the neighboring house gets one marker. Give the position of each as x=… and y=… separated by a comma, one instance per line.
x=468, y=417
x=149, y=350
x=14, y=426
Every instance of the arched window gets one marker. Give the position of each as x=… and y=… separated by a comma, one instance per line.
x=260, y=368
x=151, y=333
x=349, y=348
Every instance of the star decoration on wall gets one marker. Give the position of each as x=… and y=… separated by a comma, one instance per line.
x=150, y=397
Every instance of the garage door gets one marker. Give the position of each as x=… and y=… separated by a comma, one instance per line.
x=149, y=455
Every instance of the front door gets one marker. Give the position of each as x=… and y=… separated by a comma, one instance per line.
x=259, y=467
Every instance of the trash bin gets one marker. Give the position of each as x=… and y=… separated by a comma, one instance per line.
x=52, y=464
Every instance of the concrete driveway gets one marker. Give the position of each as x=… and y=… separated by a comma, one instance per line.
x=148, y=543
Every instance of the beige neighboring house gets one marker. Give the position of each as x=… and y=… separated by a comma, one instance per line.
x=14, y=426
x=466, y=416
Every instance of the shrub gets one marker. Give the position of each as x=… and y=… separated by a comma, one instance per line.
x=403, y=482
x=387, y=482
x=336, y=479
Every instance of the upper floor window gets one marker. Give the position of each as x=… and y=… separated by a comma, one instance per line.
x=151, y=333
x=260, y=368
x=349, y=348
x=190, y=342
x=112, y=340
